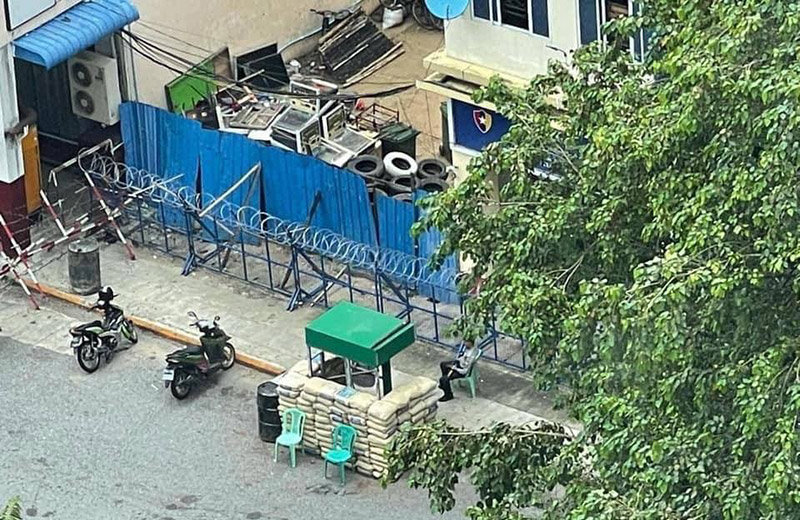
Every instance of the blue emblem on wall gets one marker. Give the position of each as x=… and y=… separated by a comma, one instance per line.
x=475, y=127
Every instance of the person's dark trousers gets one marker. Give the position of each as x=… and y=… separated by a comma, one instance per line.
x=447, y=376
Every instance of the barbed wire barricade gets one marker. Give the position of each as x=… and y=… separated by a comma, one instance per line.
x=308, y=265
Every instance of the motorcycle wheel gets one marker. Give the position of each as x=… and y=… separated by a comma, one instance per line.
x=228, y=356
x=421, y=14
x=130, y=332
x=180, y=388
x=88, y=358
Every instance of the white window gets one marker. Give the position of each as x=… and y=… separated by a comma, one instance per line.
x=20, y=11
x=528, y=15
x=595, y=13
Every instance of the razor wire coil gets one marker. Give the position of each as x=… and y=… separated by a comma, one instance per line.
x=171, y=192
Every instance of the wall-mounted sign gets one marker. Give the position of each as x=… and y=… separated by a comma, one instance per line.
x=20, y=11
x=475, y=127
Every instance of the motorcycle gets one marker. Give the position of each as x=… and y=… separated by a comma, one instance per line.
x=190, y=365
x=101, y=339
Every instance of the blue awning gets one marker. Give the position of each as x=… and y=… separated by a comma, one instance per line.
x=74, y=30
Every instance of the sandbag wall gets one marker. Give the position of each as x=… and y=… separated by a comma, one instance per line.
x=327, y=404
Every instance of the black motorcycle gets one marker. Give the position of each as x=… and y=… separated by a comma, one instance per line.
x=190, y=365
x=101, y=339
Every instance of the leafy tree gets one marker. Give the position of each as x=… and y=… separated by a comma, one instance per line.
x=657, y=279
x=12, y=510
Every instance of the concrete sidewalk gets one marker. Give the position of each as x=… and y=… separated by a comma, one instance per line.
x=152, y=287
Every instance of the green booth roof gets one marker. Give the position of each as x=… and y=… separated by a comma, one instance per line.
x=359, y=334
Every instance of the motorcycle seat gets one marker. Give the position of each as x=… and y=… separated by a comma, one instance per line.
x=190, y=349
x=81, y=328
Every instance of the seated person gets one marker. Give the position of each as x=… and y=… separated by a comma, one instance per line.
x=457, y=369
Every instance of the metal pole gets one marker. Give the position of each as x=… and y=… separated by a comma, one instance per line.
x=20, y=254
x=9, y=268
x=230, y=190
x=107, y=211
x=348, y=374
x=386, y=377
x=52, y=212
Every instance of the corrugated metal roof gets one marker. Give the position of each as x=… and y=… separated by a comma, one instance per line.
x=74, y=30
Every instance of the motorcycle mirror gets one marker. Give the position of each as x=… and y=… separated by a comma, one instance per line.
x=216, y=318
x=192, y=314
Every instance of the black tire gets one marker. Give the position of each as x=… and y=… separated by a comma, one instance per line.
x=133, y=335
x=91, y=363
x=228, y=356
x=376, y=192
x=436, y=22
x=432, y=169
x=367, y=166
x=433, y=185
x=403, y=184
x=179, y=387
x=421, y=14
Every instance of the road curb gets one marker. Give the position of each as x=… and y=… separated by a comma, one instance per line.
x=162, y=330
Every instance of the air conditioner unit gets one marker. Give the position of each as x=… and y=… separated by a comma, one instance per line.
x=94, y=87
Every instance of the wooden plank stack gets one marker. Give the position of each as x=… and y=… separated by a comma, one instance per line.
x=356, y=48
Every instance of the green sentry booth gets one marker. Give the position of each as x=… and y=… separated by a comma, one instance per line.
x=360, y=335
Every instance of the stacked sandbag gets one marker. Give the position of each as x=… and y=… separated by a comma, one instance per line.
x=323, y=417
x=301, y=367
x=327, y=404
x=306, y=403
x=424, y=402
x=357, y=408
x=309, y=403
x=290, y=387
x=382, y=425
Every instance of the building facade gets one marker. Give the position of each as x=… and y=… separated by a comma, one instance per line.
x=512, y=39
x=40, y=39
x=18, y=18
x=194, y=30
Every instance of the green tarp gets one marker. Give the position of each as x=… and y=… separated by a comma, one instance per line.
x=367, y=337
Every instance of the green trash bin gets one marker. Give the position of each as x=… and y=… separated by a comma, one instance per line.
x=399, y=137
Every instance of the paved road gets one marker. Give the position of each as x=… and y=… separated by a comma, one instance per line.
x=116, y=445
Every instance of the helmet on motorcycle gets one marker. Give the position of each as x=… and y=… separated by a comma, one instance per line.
x=106, y=294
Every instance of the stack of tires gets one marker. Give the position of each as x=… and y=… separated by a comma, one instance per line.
x=432, y=176
x=398, y=175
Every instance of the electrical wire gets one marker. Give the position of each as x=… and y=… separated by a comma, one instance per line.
x=148, y=50
x=184, y=51
x=149, y=27
x=160, y=56
x=208, y=53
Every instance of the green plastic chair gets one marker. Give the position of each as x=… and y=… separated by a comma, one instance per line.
x=472, y=377
x=293, y=421
x=343, y=439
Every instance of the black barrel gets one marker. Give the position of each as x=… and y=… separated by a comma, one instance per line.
x=84, y=266
x=269, y=420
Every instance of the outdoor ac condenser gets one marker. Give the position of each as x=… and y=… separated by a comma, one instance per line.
x=94, y=87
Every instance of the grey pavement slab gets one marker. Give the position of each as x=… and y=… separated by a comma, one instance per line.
x=152, y=287
x=115, y=444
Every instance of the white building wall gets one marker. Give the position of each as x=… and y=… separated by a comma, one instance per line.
x=6, y=36
x=11, y=167
x=241, y=25
x=511, y=50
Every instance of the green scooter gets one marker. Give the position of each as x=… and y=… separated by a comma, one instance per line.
x=101, y=339
x=190, y=365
